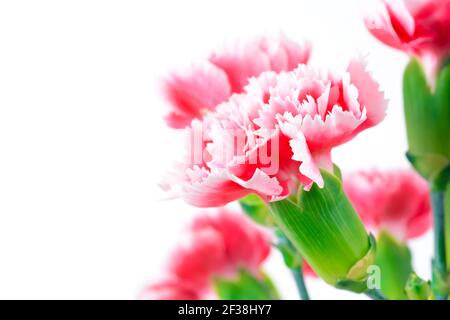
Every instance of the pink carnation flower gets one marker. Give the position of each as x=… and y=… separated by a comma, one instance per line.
x=216, y=246
x=276, y=135
x=418, y=27
x=201, y=89
x=397, y=201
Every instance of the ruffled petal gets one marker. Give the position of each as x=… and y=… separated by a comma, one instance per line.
x=241, y=62
x=369, y=95
x=339, y=126
x=380, y=26
x=308, y=167
x=215, y=190
x=191, y=94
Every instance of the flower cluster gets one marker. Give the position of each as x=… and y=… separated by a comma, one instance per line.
x=261, y=124
x=217, y=246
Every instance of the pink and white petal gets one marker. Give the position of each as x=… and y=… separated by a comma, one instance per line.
x=414, y=5
x=339, y=126
x=259, y=183
x=297, y=54
x=323, y=160
x=322, y=101
x=215, y=190
x=307, y=167
x=401, y=17
x=289, y=125
x=277, y=55
x=380, y=26
x=369, y=94
x=241, y=62
x=350, y=95
x=193, y=92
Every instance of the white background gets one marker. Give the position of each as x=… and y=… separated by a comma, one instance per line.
x=83, y=144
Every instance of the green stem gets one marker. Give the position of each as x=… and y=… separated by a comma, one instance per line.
x=375, y=294
x=300, y=282
x=293, y=261
x=439, y=263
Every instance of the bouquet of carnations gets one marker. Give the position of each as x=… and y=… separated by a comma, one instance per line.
x=260, y=124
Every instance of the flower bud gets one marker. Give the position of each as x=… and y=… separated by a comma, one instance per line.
x=427, y=114
x=245, y=286
x=326, y=230
x=418, y=289
x=394, y=260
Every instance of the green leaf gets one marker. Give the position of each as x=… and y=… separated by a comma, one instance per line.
x=427, y=116
x=394, y=260
x=256, y=209
x=245, y=286
x=324, y=228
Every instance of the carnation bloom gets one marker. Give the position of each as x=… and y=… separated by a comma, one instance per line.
x=217, y=245
x=276, y=135
x=196, y=91
x=396, y=201
x=418, y=27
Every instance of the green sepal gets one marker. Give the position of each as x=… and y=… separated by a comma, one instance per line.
x=395, y=263
x=442, y=180
x=428, y=166
x=325, y=229
x=358, y=271
x=337, y=171
x=417, y=288
x=351, y=285
x=246, y=286
x=255, y=207
x=356, y=279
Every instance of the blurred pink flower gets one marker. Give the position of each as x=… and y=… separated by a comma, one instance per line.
x=217, y=245
x=276, y=135
x=193, y=93
x=308, y=271
x=418, y=27
x=397, y=201
x=169, y=289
